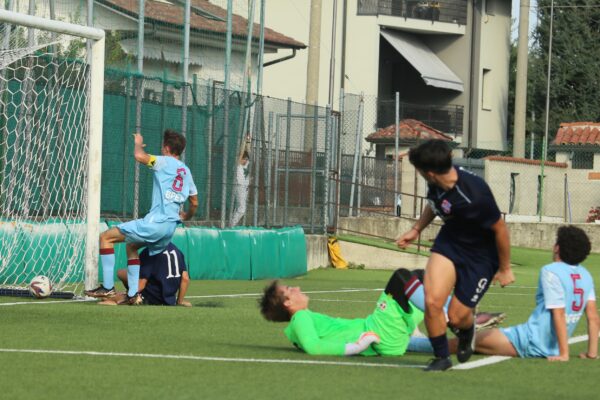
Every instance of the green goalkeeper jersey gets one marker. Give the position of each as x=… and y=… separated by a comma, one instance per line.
x=320, y=334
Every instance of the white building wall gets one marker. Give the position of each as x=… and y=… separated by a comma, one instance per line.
x=492, y=103
x=292, y=18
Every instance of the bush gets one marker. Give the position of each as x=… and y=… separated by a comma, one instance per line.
x=593, y=214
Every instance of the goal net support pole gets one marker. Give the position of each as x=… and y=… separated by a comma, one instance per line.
x=96, y=94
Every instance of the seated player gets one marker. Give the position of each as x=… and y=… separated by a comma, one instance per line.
x=565, y=291
x=164, y=279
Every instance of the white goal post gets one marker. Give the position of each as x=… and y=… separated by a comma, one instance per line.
x=87, y=118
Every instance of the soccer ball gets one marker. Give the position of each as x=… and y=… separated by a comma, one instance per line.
x=40, y=287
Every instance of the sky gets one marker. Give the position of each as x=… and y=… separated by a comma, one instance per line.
x=515, y=17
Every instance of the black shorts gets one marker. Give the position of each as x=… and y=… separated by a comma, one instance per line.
x=474, y=270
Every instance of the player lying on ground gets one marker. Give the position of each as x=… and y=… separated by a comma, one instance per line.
x=471, y=250
x=172, y=186
x=565, y=291
x=164, y=279
x=386, y=331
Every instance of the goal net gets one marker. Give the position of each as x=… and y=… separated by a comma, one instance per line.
x=50, y=152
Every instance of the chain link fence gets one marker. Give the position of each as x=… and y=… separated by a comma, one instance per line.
x=555, y=185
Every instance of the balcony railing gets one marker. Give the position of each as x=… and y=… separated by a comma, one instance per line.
x=448, y=119
x=452, y=11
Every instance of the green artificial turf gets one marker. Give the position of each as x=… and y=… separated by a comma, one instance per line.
x=232, y=332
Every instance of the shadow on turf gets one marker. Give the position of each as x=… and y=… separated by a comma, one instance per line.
x=209, y=304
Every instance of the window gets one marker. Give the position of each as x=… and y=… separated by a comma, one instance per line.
x=367, y=7
x=512, y=203
x=490, y=7
x=582, y=160
x=486, y=81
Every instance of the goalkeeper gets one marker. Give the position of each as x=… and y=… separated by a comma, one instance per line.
x=387, y=331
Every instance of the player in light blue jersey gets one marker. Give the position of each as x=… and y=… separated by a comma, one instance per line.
x=172, y=186
x=565, y=293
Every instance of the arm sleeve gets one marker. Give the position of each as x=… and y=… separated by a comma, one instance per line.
x=193, y=189
x=156, y=162
x=592, y=295
x=485, y=210
x=182, y=265
x=310, y=342
x=554, y=293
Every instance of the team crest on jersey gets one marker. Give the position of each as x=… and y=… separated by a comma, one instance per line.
x=446, y=206
x=382, y=306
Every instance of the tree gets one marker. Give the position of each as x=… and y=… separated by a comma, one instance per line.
x=575, y=77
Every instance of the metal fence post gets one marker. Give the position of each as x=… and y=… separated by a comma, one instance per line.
x=287, y=161
x=356, y=155
x=268, y=169
x=397, y=134
x=276, y=170
x=209, y=142
x=326, y=169
x=313, y=174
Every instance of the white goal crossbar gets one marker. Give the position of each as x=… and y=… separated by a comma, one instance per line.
x=95, y=124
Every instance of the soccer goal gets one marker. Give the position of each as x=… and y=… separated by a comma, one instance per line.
x=51, y=95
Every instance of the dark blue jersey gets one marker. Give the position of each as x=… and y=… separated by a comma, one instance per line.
x=468, y=210
x=163, y=274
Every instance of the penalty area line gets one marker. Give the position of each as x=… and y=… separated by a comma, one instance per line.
x=497, y=359
x=206, y=358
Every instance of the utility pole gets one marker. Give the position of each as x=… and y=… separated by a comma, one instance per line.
x=312, y=70
x=521, y=82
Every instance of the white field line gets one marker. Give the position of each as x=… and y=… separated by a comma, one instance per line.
x=17, y=303
x=208, y=296
x=496, y=359
x=206, y=358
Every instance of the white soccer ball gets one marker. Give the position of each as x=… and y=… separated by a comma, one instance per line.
x=40, y=287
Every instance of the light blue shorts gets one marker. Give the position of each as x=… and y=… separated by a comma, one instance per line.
x=521, y=339
x=155, y=235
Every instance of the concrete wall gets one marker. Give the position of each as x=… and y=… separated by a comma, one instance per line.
x=376, y=258
x=532, y=235
x=316, y=251
x=568, y=193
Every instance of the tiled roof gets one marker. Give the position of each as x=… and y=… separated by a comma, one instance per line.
x=172, y=13
x=525, y=161
x=408, y=129
x=578, y=133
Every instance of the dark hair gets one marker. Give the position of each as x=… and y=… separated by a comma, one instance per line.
x=174, y=141
x=434, y=155
x=573, y=244
x=271, y=304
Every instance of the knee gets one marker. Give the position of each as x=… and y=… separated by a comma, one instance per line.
x=457, y=318
x=433, y=303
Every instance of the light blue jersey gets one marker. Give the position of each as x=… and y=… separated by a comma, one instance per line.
x=560, y=286
x=172, y=185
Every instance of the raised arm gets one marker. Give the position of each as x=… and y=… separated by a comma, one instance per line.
x=593, y=324
x=413, y=233
x=559, y=321
x=183, y=287
x=139, y=153
x=504, y=276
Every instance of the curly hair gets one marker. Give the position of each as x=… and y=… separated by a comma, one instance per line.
x=573, y=244
x=271, y=304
